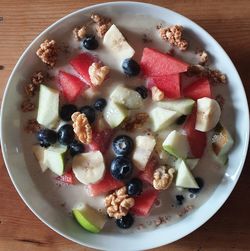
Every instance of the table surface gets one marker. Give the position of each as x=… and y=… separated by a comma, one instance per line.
x=228, y=21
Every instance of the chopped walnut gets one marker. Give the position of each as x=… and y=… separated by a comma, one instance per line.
x=82, y=127
x=32, y=126
x=47, y=52
x=118, y=203
x=98, y=73
x=173, y=35
x=103, y=24
x=136, y=122
x=157, y=94
x=27, y=106
x=203, y=57
x=80, y=33
x=163, y=177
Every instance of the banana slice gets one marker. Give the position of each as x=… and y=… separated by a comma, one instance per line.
x=208, y=114
x=89, y=167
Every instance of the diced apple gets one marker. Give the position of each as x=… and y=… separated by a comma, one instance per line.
x=39, y=154
x=192, y=163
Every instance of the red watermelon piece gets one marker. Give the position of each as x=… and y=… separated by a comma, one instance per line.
x=156, y=64
x=70, y=86
x=81, y=64
x=107, y=184
x=101, y=140
x=199, y=89
x=147, y=174
x=197, y=140
x=144, y=202
x=169, y=84
x=67, y=177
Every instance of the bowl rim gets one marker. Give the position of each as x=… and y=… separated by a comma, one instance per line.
x=117, y=3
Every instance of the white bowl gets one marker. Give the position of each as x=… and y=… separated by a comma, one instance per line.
x=35, y=189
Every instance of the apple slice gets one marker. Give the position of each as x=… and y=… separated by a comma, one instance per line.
x=184, y=177
x=162, y=118
x=89, y=218
x=39, y=154
x=176, y=144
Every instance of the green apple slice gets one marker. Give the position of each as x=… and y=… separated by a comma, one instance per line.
x=39, y=154
x=127, y=97
x=176, y=144
x=114, y=114
x=162, y=118
x=54, y=159
x=48, y=107
x=192, y=163
x=89, y=218
x=184, y=177
x=183, y=106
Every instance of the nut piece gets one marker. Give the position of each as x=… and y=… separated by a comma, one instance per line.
x=136, y=122
x=27, y=106
x=80, y=33
x=173, y=35
x=32, y=126
x=157, y=94
x=203, y=57
x=118, y=203
x=31, y=88
x=163, y=177
x=103, y=24
x=98, y=73
x=82, y=127
x=47, y=52
x=37, y=78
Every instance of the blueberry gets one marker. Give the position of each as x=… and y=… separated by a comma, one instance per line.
x=181, y=120
x=66, y=134
x=47, y=137
x=134, y=187
x=122, y=145
x=130, y=67
x=143, y=91
x=200, y=183
x=89, y=112
x=125, y=222
x=121, y=168
x=75, y=148
x=66, y=111
x=90, y=42
x=100, y=104
x=179, y=199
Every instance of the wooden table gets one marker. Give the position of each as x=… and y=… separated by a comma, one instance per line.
x=228, y=21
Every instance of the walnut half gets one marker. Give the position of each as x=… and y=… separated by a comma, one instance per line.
x=163, y=177
x=98, y=73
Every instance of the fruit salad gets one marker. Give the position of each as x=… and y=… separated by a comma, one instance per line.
x=128, y=126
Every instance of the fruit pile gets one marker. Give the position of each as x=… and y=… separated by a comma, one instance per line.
x=177, y=126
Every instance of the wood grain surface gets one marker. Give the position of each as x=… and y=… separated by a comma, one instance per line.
x=228, y=21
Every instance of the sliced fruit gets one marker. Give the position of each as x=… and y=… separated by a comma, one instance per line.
x=199, y=89
x=169, y=84
x=147, y=174
x=67, y=177
x=48, y=107
x=144, y=146
x=54, y=159
x=89, y=218
x=39, y=154
x=182, y=106
x=127, y=97
x=114, y=114
x=108, y=183
x=156, y=64
x=208, y=114
x=114, y=41
x=184, y=177
x=144, y=202
x=89, y=167
x=162, y=118
x=192, y=163
x=70, y=86
x=81, y=64
x=176, y=144
x=197, y=140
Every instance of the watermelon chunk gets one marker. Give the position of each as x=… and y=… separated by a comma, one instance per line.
x=107, y=184
x=81, y=64
x=197, y=140
x=169, y=84
x=199, y=89
x=70, y=86
x=147, y=174
x=67, y=177
x=144, y=202
x=101, y=140
x=156, y=64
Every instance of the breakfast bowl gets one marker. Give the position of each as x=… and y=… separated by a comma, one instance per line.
x=52, y=202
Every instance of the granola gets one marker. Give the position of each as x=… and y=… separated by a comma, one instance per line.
x=136, y=122
x=32, y=126
x=103, y=24
x=27, y=106
x=80, y=33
